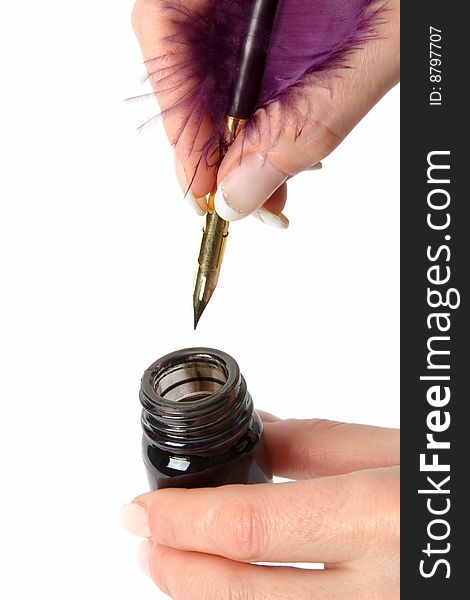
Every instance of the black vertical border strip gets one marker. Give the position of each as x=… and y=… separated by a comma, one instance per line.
x=426, y=128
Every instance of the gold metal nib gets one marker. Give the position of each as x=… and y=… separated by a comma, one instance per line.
x=210, y=258
x=213, y=242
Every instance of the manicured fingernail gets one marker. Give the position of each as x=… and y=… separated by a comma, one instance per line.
x=247, y=188
x=278, y=220
x=143, y=556
x=134, y=519
x=197, y=204
x=315, y=167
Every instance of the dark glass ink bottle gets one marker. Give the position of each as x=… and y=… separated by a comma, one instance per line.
x=199, y=425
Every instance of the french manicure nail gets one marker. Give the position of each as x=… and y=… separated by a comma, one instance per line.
x=143, y=556
x=278, y=220
x=193, y=203
x=134, y=519
x=247, y=188
x=315, y=167
x=188, y=198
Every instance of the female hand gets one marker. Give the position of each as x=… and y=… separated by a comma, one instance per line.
x=249, y=183
x=343, y=511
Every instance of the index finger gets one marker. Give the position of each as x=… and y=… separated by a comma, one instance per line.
x=324, y=520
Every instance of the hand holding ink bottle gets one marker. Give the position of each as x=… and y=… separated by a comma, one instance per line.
x=342, y=509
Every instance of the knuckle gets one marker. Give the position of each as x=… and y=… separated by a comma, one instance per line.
x=242, y=531
x=226, y=584
x=322, y=139
x=236, y=590
x=386, y=527
x=241, y=594
x=318, y=453
x=382, y=512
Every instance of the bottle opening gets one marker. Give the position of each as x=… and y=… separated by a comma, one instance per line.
x=195, y=399
x=191, y=380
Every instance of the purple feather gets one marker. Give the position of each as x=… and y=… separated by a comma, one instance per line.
x=309, y=36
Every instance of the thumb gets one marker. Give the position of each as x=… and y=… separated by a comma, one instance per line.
x=255, y=166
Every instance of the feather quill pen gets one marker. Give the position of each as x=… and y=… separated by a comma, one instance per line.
x=309, y=37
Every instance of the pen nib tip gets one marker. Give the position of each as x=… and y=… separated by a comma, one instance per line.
x=198, y=310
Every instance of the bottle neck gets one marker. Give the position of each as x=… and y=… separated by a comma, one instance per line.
x=195, y=401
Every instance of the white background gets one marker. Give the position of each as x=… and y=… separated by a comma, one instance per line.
x=97, y=266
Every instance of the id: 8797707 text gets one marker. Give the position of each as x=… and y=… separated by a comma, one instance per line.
x=435, y=66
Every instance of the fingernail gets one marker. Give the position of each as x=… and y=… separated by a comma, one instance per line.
x=278, y=220
x=134, y=519
x=143, y=556
x=267, y=417
x=315, y=167
x=196, y=204
x=247, y=188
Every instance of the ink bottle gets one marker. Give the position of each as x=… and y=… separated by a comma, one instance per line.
x=199, y=425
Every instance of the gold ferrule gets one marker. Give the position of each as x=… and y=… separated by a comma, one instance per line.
x=214, y=238
x=234, y=126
